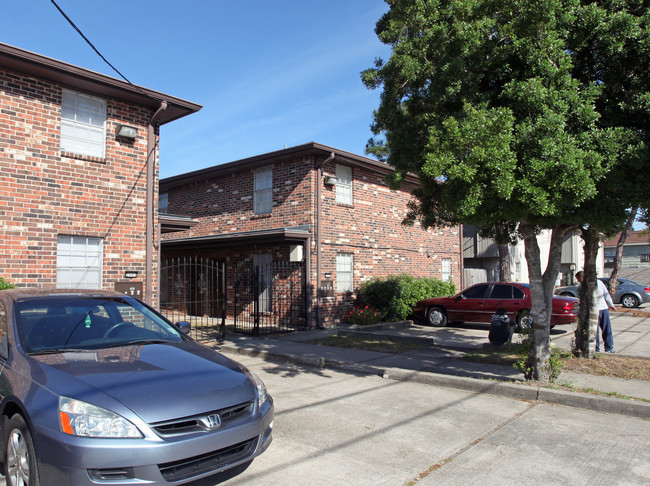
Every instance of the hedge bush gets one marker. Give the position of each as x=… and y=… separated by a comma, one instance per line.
x=396, y=295
x=5, y=285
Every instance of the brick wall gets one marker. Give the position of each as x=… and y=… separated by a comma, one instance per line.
x=45, y=193
x=225, y=204
x=370, y=229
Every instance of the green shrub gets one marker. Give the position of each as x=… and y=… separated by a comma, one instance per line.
x=5, y=285
x=364, y=315
x=396, y=295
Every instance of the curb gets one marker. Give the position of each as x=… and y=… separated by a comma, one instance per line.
x=613, y=405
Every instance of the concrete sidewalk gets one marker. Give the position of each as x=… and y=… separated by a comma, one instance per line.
x=438, y=361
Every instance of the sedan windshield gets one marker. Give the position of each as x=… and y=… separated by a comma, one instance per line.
x=52, y=324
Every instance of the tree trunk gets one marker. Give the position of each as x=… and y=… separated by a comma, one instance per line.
x=613, y=278
x=541, y=289
x=588, y=315
x=504, y=263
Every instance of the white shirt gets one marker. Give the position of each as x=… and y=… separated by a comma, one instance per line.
x=604, y=299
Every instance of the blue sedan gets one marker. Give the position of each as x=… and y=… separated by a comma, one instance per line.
x=628, y=292
x=98, y=388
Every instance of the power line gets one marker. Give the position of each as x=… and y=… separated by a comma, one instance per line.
x=89, y=43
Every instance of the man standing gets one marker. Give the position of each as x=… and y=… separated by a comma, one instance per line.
x=605, y=304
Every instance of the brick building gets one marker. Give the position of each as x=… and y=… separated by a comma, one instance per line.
x=78, y=170
x=330, y=210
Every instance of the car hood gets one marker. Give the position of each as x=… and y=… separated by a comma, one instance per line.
x=156, y=381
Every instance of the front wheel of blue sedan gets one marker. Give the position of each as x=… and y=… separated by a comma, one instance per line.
x=20, y=456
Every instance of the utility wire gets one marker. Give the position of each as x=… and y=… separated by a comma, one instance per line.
x=90, y=43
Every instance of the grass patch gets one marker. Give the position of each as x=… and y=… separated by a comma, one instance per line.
x=602, y=365
x=506, y=356
x=381, y=345
x=610, y=365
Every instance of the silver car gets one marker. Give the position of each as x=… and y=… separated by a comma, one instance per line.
x=98, y=388
x=628, y=292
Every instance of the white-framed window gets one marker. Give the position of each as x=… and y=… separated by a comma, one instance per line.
x=446, y=269
x=344, y=185
x=163, y=202
x=263, y=194
x=344, y=272
x=83, y=124
x=79, y=262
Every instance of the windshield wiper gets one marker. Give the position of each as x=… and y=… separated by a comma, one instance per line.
x=140, y=341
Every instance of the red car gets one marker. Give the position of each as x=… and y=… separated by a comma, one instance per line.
x=478, y=302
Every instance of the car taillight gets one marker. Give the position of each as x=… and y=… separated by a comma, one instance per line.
x=570, y=306
x=647, y=290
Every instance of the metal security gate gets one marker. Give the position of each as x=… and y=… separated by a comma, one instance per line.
x=192, y=289
x=270, y=296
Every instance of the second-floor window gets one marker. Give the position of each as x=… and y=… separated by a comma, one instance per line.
x=263, y=194
x=343, y=184
x=83, y=124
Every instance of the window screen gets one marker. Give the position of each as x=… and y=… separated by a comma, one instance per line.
x=83, y=124
x=263, y=195
x=79, y=262
x=343, y=185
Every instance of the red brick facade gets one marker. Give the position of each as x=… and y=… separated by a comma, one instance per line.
x=221, y=200
x=47, y=193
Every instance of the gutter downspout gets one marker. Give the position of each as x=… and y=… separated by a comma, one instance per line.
x=462, y=258
x=153, y=130
x=319, y=182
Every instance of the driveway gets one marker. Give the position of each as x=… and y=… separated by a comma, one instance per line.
x=336, y=428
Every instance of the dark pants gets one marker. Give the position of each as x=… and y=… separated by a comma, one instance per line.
x=606, y=328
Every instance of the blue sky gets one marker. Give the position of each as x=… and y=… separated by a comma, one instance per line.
x=268, y=74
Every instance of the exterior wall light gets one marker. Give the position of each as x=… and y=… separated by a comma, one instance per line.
x=330, y=181
x=126, y=131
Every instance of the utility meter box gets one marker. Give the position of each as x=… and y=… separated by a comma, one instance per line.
x=134, y=289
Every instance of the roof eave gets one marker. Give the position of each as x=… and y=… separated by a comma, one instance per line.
x=305, y=150
x=75, y=77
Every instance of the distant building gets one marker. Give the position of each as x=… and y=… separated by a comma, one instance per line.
x=635, y=263
x=481, y=258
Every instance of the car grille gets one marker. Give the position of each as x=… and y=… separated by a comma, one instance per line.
x=205, y=463
x=199, y=423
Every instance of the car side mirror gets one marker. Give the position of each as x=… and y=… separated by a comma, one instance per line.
x=459, y=297
x=184, y=326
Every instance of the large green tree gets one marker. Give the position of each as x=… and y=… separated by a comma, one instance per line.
x=479, y=100
x=610, y=45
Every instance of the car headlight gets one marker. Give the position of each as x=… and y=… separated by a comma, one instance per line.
x=86, y=420
x=262, y=394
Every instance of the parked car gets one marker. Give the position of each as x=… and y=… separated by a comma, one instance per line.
x=478, y=302
x=98, y=388
x=628, y=292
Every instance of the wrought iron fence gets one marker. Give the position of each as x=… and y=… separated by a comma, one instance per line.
x=193, y=289
x=270, y=297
